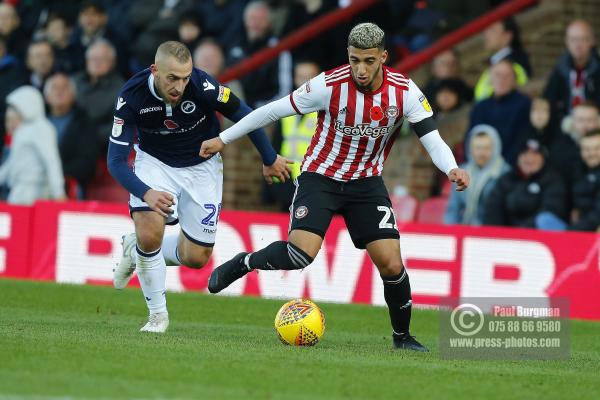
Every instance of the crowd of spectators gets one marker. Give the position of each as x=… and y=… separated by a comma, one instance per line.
x=534, y=162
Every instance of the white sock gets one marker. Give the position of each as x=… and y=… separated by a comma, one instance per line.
x=152, y=273
x=169, y=249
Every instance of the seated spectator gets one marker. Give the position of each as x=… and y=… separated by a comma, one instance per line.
x=98, y=86
x=291, y=139
x=93, y=25
x=77, y=137
x=190, y=29
x=40, y=62
x=431, y=19
x=34, y=14
x=324, y=49
x=585, y=192
x=503, y=39
x=155, y=21
x=543, y=124
x=576, y=76
x=456, y=14
x=447, y=97
x=485, y=166
x=273, y=79
x=445, y=67
x=209, y=57
x=584, y=118
x=530, y=194
x=223, y=21
x=11, y=77
x=68, y=54
x=32, y=170
x=10, y=29
x=507, y=110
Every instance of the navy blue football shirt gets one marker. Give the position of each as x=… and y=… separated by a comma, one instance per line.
x=172, y=134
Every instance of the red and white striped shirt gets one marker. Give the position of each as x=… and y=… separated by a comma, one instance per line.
x=356, y=129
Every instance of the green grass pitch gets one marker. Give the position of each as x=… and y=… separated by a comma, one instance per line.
x=62, y=341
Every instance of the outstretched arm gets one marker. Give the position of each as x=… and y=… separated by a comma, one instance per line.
x=235, y=109
x=419, y=114
x=256, y=119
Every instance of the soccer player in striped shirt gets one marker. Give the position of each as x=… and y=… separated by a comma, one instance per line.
x=361, y=106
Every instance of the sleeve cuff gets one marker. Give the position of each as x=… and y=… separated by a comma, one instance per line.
x=294, y=104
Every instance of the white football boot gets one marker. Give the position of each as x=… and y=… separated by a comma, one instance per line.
x=157, y=323
x=124, y=269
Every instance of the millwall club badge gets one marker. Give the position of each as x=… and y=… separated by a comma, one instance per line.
x=376, y=113
x=392, y=112
x=188, y=107
x=301, y=212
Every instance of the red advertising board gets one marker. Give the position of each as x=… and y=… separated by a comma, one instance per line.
x=15, y=233
x=80, y=243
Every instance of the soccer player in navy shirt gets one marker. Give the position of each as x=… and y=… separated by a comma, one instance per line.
x=171, y=107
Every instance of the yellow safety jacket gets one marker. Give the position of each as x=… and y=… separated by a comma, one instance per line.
x=484, y=88
x=297, y=132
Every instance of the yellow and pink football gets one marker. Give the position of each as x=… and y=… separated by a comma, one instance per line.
x=300, y=323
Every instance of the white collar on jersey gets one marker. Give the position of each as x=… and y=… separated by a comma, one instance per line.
x=168, y=107
x=151, y=86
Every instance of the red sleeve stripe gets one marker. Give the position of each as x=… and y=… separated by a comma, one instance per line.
x=294, y=104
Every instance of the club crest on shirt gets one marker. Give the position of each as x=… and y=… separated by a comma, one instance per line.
x=188, y=107
x=425, y=103
x=301, y=212
x=392, y=112
x=376, y=113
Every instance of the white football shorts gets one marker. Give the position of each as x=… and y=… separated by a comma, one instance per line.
x=197, y=190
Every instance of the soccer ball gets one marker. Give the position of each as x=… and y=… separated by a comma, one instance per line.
x=300, y=323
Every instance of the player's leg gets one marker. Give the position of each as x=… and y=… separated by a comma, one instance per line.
x=371, y=224
x=151, y=268
x=159, y=177
x=198, y=210
x=297, y=252
x=385, y=254
x=179, y=250
x=310, y=214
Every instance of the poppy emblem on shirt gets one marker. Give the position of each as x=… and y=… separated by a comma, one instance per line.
x=170, y=124
x=376, y=113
